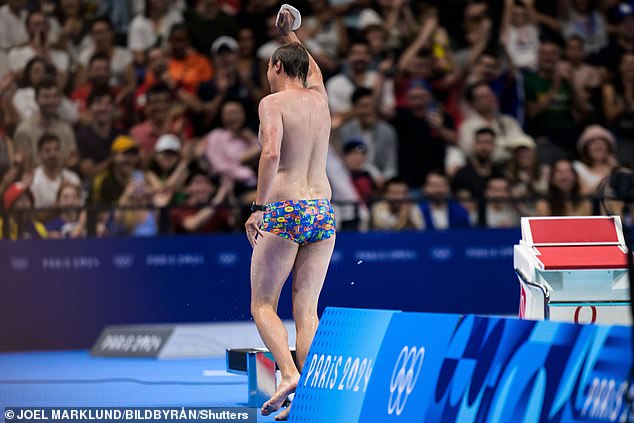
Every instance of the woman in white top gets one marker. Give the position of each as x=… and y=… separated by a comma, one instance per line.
x=596, y=148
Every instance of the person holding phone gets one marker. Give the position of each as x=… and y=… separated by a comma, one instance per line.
x=38, y=28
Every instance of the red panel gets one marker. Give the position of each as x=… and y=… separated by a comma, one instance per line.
x=551, y=231
x=582, y=257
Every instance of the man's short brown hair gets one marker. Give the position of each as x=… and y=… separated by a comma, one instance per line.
x=294, y=59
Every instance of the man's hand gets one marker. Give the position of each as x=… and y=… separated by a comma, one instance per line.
x=253, y=227
x=284, y=22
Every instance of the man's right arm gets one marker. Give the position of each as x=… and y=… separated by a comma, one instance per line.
x=314, y=79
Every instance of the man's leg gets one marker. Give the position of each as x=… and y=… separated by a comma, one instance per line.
x=309, y=274
x=271, y=263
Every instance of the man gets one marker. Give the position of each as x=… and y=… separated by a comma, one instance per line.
x=29, y=131
x=424, y=132
x=202, y=212
x=551, y=108
x=208, y=21
x=396, y=212
x=292, y=185
x=98, y=75
x=354, y=215
x=186, y=67
x=484, y=104
x=50, y=174
x=472, y=178
x=500, y=211
x=108, y=186
x=158, y=122
x=378, y=135
x=358, y=74
x=489, y=67
x=439, y=210
x=95, y=137
x=226, y=84
x=583, y=77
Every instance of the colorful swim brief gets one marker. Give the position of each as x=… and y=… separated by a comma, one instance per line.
x=301, y=221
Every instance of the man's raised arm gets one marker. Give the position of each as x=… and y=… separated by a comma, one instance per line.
x=284, y=24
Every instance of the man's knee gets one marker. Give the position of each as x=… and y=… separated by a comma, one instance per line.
x=259, y=309
x=303, y=315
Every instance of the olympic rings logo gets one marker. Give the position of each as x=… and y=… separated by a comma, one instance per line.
x=404, y=377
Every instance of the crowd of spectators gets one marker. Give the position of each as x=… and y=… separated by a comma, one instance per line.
x=139, y=117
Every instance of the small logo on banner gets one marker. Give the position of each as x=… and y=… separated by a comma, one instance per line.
x=20, y=264
x=123, y=261
x=440, y=253
x=227, y=258
x=404, y=377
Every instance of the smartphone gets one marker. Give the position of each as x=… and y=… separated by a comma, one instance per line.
x=138, y=177
x=138, y=180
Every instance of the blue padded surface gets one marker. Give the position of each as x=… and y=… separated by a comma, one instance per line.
x=75, y=378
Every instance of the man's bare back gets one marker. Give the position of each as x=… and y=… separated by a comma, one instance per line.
x=305, y=117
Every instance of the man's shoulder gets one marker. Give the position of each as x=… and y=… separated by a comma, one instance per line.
x=276, y=99
x=271, y=100
x=38, y=174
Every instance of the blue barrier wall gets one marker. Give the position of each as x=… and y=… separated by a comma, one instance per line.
x=60, y=294
x=389, y=366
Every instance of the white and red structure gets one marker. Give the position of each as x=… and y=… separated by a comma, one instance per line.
x=573, y=269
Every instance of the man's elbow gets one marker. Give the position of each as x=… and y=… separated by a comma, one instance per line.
x=270, y=155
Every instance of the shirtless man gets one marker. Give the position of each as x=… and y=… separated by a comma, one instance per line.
x=292, y=227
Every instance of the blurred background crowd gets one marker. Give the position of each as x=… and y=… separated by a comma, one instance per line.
x=139, y=117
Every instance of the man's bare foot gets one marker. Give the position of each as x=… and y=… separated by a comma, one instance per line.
x=286, y=388
x=283, y=416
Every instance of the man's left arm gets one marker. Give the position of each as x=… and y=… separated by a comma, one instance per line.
x=271, y=131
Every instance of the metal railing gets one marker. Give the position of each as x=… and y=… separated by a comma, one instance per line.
x=91, y=216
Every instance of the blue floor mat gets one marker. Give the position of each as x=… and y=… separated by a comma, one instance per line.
x=75, y=378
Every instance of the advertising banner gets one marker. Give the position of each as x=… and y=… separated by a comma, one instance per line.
x=447, y=368
x=60, y=294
